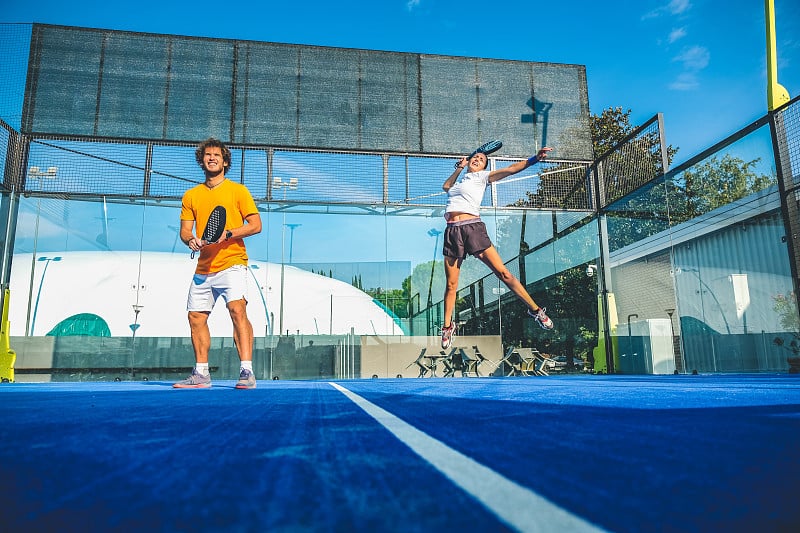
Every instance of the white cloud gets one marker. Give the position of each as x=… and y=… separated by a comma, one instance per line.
x=694, y=58
x=411, y=4
x=676, y=7
x=684, y=82
x=677, y=33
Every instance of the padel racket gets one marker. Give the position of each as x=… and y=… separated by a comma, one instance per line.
x=486, y=148
x=214, y=227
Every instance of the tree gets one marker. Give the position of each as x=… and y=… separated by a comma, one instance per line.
x=639, y=202
x=396, y=300
x=717, y=182
x=610, y=127
x=564, y=185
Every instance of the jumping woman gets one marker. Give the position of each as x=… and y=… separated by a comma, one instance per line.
x=466, y=234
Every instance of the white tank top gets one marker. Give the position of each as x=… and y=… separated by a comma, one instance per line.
x=466, y=194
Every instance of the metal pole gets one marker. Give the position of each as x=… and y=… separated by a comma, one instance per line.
x=41, y=283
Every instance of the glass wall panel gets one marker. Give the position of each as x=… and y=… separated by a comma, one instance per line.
x=730, y=286
x=647, y=321
x=100, y=286
x=556, y=274
x=699, y=268
x=730, y=175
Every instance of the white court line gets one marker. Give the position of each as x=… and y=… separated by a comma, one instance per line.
x=519, y=507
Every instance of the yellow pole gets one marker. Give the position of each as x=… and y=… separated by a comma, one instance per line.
x=7, y=356
x=599, y=351
x=777, y=95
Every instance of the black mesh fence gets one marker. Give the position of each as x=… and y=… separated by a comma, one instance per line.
x=115, y=113
x=11, y=157
x=634, y=162
x=113, y=84
x=787, y=140
x=551, y=184
x=76, y=166
x=14, y=49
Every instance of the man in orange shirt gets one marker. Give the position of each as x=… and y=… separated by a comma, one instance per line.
x=222, y=266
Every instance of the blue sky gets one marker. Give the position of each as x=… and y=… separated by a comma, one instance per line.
x=700, y=62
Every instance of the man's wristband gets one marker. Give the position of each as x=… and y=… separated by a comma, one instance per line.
x=533, y=160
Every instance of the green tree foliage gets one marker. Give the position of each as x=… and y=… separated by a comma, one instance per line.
x=714, y=183
x=394, y=299
x=609, y=128
x=639, y=160
x=698, y=190
x=640, y=201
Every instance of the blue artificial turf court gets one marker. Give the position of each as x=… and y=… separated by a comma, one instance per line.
x=559, y=453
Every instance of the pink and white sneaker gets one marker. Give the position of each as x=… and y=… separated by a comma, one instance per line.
x=447, y=335
x=541, y=318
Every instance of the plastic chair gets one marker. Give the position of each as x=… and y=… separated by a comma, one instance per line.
x=514, y=361
x=452, y=362
x=470, y=364
x=423, y=363
x=534, y=363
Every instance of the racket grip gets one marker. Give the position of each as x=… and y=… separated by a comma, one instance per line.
x=195, y=251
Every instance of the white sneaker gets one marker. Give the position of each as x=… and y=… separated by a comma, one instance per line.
x=447, y=335
x=540, y=317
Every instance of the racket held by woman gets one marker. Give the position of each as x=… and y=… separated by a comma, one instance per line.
x=486, y=148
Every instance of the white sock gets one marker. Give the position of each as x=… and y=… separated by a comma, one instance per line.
x=247, y=365
x=202, y=368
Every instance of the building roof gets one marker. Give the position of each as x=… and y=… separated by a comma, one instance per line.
x=111, y=285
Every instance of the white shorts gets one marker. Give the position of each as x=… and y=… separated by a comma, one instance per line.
x=204, y=290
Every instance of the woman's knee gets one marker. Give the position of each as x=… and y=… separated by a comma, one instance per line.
x=451, y=285
x=506, y=276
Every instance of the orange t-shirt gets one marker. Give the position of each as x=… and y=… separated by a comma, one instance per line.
x=197, y=204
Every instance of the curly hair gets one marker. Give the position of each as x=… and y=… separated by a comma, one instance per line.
x=213, y=143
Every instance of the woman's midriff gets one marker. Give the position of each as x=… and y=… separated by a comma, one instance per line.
x=456, y=216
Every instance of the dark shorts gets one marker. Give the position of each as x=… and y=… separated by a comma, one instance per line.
x=465, y=237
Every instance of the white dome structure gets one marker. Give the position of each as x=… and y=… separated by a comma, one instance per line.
x=115, y=285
